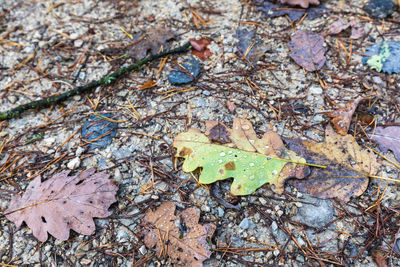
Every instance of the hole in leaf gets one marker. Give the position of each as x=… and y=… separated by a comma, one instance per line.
x=43, y=219
x=78, y=183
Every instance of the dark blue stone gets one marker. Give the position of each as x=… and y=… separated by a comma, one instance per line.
x=179, y=77
x=380, y=8
x=100, y=130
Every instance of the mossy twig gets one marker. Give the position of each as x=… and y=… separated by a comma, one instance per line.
x=106, y=80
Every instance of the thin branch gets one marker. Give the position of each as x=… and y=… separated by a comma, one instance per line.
x=106, y=80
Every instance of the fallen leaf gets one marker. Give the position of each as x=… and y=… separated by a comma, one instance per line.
x=151, y=42
x=342, y=116
x=307, y=50
x=217, y=132
x=180, y=236
x=357, y=31
x=348, y=166
x=384, y=56
x=302, y=3
x=272, y=10
x=62, y=203
x=249, y=46
x=250, y=161
x=388, y=139
x=200, y=49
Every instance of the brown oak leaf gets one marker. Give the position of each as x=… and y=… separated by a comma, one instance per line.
x=302, y=3
x=307, y=50
x=151, y=42
x=62, y=203
x=347, y=166
x=180, y=236
x=342, y=116
x=200, y=49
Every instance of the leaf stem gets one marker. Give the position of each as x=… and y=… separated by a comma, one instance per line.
x=106, y=80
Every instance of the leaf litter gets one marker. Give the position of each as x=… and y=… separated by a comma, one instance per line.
x=180, y=236
x=388, y=138
x=308, y=50
x=62, y=203
x=251, y=161
x=341, y=118
x=348, y=166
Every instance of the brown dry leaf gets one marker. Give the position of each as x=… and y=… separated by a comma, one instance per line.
x=245, y=138
x=388, y=139
x=348, y=166
x=151, y=42
x=200, y=49
x=178, y=236
x=307, y=50
x=62, y=203
x=357, y=31
x=217, y=132
x=302, y=3
x=342, y=116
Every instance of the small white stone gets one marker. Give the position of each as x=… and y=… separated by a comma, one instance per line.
x=74, y=163
x=49, y=141
x=143, y=250
x=274, y=226
x=117, y=174
x=262, y=201
x=79, y=151
x=276, y=252
x=315, y=90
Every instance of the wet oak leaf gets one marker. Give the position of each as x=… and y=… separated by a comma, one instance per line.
x=180, y=236
x=62, y=203
x=388, y=139
x=307, y=50
x=341, y=118
x=348, y=166
x=249, y=160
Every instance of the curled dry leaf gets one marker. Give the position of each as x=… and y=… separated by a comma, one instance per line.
x=251, y=161
x=151, y=42
x=388, y=139
x=307, y=50
x=348, y=166
x=180, y=236
x=342, y=117
x=62, y=203
x=302, y=3
x=357, y=31
x=200, y=49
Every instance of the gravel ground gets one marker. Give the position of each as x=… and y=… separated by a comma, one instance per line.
x=66, y=41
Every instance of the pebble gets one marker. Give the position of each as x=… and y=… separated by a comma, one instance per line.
x=143, y=250
x=192, y=65
x=205, y=208
x=221, y=212
x=262, y=201
x=79, y=151
x=86, y=261
x=380, y=8
x=74, y=163
x=316, y=90
x=12, y=99
x=274, y=226
x=206, y=92
x=245, y=224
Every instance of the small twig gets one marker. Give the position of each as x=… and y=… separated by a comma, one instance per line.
x=106, y=80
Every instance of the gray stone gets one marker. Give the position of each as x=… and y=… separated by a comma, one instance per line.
x=318, y=213
x=221, y=212
x=245, y=224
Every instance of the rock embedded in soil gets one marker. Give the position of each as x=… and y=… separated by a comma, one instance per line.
x=192, y=70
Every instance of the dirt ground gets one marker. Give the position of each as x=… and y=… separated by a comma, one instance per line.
x=48, y=47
